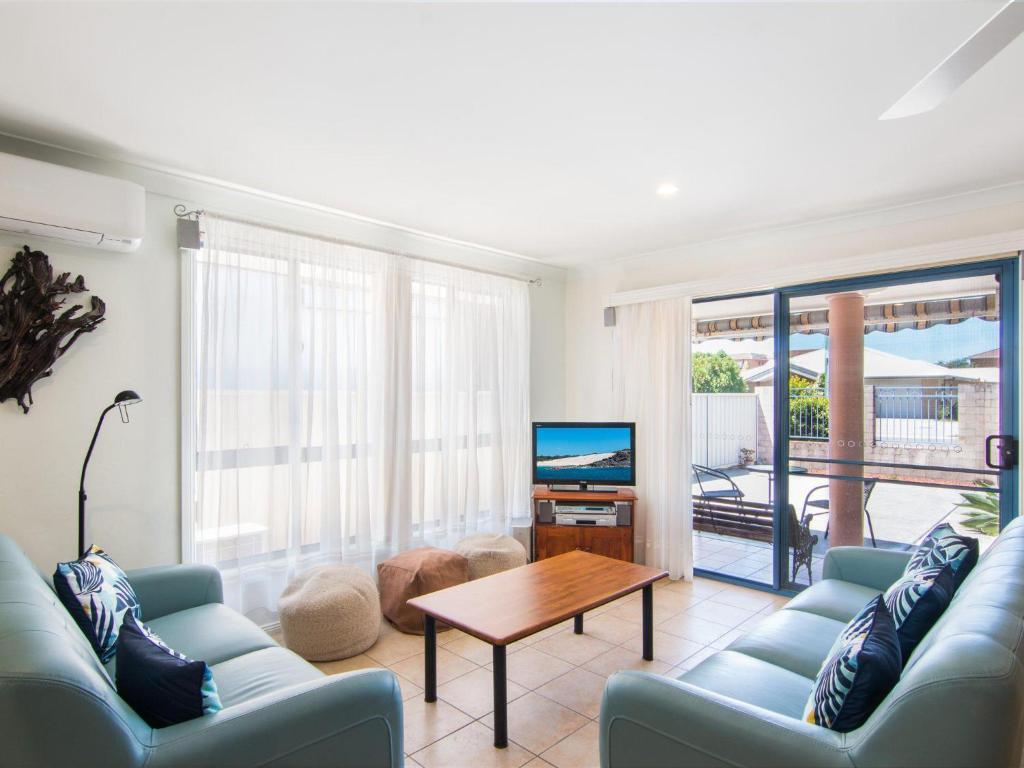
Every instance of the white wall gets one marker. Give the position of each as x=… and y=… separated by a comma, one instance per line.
x=133, y=481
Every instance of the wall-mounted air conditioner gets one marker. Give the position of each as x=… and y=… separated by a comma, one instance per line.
x=49, y=200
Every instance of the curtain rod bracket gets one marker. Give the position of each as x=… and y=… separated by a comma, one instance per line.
x=182, y=212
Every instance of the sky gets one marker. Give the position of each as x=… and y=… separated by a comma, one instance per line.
x=576, y=441
x=940, y=343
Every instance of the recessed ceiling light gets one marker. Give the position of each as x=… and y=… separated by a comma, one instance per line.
x=667, y=189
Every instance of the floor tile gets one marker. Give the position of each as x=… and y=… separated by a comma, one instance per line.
x=692, y=661
x=408, y=687
x=573, y=648
x=728, y=615
x=610, y=628
x=579, y=690
x=538, y=723
x=411, y=763
x=578, y=750
x=393, y=646
x=473, y=693
x=623, y=658
x=728, y=638
x=694, y=628
x=538, y=762
x=362, y=661
x=426, y=723
x=748, y=599
x=469, y=647
x=668, y=648
x=449, y=666
x=531, y=669
x=473, y=747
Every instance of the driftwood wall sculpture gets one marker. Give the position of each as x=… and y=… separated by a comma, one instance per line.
x=32, y=334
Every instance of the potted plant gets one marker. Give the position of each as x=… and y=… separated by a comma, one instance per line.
x=982, y=507
x=746, y=456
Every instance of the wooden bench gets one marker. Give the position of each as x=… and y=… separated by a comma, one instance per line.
x=754, y=520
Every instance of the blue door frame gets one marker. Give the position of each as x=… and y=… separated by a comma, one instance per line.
x=1006, y=272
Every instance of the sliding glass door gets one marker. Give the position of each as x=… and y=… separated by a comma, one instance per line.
x=880, y=407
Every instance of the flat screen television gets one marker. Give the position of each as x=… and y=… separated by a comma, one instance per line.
x=584, y=453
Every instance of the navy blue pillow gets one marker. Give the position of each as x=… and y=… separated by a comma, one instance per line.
x=943, y=546
x=163, y=686
x=861, y=668
x=916, y=601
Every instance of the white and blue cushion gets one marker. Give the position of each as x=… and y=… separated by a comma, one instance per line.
x=164, y=687
x=861, y=668
x=916, y=602
x=942, y=546
x=97, y=593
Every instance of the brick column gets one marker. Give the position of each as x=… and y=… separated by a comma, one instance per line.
x=846, y=416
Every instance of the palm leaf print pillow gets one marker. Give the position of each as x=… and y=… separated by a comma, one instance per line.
x=861, y=668
x=916, y=601
x=97, y=593
x=943, y=546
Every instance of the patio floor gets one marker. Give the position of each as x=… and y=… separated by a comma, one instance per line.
x=901, y=514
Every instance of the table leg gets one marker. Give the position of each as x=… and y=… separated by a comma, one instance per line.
x=648, y=601
x=430, y=658
x=577, y=623
x=500, y=698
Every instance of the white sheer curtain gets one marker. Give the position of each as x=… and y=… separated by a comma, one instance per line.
x=651, y=386
x=349, y=404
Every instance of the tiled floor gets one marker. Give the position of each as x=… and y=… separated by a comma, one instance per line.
x=555, y=678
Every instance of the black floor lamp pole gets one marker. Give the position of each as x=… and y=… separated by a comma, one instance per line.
x=123, y=399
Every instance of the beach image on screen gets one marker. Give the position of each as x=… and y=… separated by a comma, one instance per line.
x=590, y=454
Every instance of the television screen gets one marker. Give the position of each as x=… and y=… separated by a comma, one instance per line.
x=598, y=454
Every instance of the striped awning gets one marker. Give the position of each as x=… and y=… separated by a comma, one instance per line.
x=887, y=318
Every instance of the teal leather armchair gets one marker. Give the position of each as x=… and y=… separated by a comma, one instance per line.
x=959, y=702
x=59, y=705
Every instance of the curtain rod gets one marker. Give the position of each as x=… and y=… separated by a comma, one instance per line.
x=182, y=212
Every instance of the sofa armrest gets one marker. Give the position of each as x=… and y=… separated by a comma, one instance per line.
x=168, y=589
x=343, y=720
x=867, y=566
x=652, y=721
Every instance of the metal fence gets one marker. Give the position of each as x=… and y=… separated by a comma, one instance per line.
x=903, y=415
x=723, y=424
x=916, y=415
x=808, y=413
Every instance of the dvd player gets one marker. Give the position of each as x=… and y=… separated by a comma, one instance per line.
x=585, y=514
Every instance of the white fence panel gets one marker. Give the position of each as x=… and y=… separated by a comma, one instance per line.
x=722, y=424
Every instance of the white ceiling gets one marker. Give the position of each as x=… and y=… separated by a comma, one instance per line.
x=540, y=129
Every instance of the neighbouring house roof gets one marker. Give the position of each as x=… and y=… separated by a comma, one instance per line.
x=877, y=365
x=992, y=354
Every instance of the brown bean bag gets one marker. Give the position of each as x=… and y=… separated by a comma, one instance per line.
x=414, y=573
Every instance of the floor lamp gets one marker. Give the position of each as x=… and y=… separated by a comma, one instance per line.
x=121, y=401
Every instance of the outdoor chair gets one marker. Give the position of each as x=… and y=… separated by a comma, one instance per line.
x=822, y=504
x=732, y=492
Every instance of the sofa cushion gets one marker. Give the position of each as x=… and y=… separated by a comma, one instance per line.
x=756, y=682
x=942, y=546
x=834, y=599
x=212, y=632
x=793, y=640
x=163, y=686
x=916, y=601
x=862, y=668
x=97, y=594
x=261, y=672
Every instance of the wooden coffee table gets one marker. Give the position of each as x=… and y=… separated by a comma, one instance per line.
x=514, y=604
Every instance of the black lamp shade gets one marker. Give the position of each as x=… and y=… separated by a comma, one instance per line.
x=127, y=397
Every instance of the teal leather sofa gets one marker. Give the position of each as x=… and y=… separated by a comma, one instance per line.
x=59, y=705
x=959, y=702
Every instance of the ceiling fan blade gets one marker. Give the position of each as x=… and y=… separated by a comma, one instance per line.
x=994, y=35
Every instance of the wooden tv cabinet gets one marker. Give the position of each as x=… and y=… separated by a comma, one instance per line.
x=550, y=539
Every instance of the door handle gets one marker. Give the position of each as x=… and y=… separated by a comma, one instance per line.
x=1007, y=451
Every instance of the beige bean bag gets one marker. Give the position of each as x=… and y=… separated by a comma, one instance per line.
x=414, y=573
x=491, y=553
x=330, y=612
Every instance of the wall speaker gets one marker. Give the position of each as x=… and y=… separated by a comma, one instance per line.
x=545, y=511
x=623, y=513
x=609, y=317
